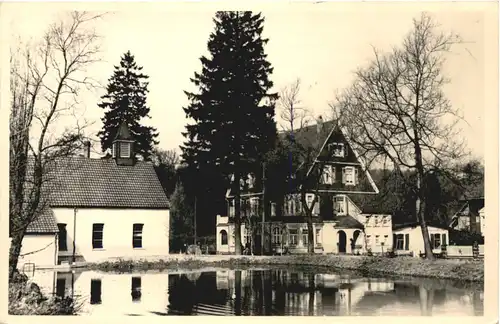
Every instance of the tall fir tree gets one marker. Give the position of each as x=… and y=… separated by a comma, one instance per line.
x=125, y=101
x=233, y=109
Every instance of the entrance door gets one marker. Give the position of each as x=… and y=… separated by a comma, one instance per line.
x=342, y=241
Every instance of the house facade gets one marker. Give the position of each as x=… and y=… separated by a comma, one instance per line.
x=470, y=216
x=100, y=209
x=408, y=238
x=339, y=225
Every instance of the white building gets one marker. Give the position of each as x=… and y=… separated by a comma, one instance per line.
x=408, y=238
x=100, y=208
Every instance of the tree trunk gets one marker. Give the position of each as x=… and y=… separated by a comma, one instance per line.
x=14, y=252
x=308, y=210
x=421, y=218
x=237, y=215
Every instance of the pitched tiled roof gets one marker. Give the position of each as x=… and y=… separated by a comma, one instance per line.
x=101, y=183
x=45, y=222
x=310, y=136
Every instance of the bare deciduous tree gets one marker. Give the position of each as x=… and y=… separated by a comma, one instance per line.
x=46, y=80
x=396, y=109
x=292, y=113
x=298, y=153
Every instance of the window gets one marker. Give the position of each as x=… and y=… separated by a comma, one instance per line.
x=95, y=291
x=376, y=220
x=297, y=205
x=305, y=237
x=367, y=220
x=318, y=237
x=443, y=239
x=349, y=176
x=401, y=241
x=336, y=149
x=63, y=244
x=385, y=220
x=276, y=235
x=309, y=200
x=368, y=240
x=124, y=150
x=386, y=238
x=137, y=236
x=293, y=237
x=223, y=237
x=339, y=205
x=436, y=241
x=113, y=150
x=377, y=239
x=61, y=287
x=97, y=236
x=231, y=207
x=273, y=209
x=136, y=289
x=254, y=206
x=251, y=181
x=328, y=174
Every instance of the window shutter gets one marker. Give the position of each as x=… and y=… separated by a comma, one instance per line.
x=443, y=239
x=394, y=241
x=332, y=174
x=343, y=175
x=355, y=180
x=407, y=242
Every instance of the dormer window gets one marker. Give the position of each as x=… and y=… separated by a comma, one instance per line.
x=336, y=149
x=124, y=150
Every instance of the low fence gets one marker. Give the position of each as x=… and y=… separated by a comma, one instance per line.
x=463, y=251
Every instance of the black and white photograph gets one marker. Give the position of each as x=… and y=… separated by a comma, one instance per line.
x=275, y=159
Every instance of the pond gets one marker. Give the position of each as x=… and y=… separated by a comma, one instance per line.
x=259, y=292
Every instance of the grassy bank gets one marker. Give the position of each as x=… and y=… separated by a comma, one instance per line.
x=25, y=298
x=470, y=271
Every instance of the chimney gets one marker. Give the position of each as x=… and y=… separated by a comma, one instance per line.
x=87, y=149
x=319, y=124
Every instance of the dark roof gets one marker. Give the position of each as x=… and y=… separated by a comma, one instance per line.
x=98, y=183
x=84, y=182
x=310, y=136
x=347, y=222
x=44, y=223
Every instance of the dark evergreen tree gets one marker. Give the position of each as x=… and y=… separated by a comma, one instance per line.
x=181, y=219
x=233, y=110
x=125, y=101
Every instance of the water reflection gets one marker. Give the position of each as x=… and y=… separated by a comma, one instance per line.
x=259, y=292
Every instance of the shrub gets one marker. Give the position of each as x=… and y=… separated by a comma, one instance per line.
x=26, y=298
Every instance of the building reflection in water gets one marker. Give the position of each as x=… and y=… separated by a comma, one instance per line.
x=258, y=292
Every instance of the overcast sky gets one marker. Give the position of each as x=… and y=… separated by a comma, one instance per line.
x=322, y=44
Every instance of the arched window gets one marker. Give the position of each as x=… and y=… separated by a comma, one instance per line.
x=223, y=237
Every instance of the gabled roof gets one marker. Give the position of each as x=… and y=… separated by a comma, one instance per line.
x=80, y=182
x=101, y=183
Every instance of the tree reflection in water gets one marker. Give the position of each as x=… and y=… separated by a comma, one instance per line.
x=280, y=292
